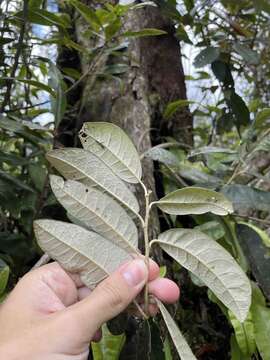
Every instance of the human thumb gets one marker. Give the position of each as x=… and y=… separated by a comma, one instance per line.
x=111, y=296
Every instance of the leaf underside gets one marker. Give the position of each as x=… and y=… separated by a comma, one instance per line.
x=83, y=166
x=96, y=211
x=113, y=146
x=212, y=264
x=195, y=200
x=79, y=251
x=178, y=339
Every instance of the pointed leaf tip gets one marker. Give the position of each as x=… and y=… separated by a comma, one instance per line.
x=195, y=200
x=208, y=260
x=111, y=144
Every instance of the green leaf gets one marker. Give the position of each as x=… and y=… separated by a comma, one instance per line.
x=58, y=101
x=223, y=73
x=195, y=200
x=162, y=155
x=4, y=275
x=213, y=229
x=144, y=32
x=114, y=148
x=112, y=29
x=244, y=334
x=264, y=144
x=239, y=109
x=206, y=56
x=235, y=350
x=245, y=197
x=249, y=55
x=199, y=177
x=263, y=234
x=261, y=316
x=83, y=166
x=38, y=85
x=257, y=256
x=6, y=177
x=178, y=339
x=175, y=106
x=167, y=349
x=261, y=118
x=79, y=251
x=97, y=211
x=38, y=174
x=109, y=347
x=4, y=41
x=182, y=35
x=208, y=260
x=87, y=13
x=206, y=150
x=44, y=17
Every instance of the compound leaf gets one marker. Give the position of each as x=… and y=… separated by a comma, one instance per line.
x=178, y=339
x=97, y=211
x=83, y=166
x=113, y=146
x=195, y=200
x=78, y=250
x=212, y=264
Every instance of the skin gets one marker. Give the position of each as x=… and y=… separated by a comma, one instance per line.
x=51, y=315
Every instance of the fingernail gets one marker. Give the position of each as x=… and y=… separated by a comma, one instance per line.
x=135, y=272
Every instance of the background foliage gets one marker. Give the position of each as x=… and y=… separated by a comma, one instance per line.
x=225, y=51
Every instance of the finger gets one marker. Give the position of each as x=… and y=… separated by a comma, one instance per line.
x=97, y=337
x=49, y=289
x=153, y=270
x=83, y=292
x=165, y=290
x=110, y=298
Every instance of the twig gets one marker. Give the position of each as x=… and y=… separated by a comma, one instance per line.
x=27, y=107
x=9, y=82
x=265, y=222
x=146, y=244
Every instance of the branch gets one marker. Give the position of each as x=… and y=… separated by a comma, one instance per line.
x=9, y=82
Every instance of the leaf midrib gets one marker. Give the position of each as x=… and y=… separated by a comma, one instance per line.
x=73, y=248
x=78, y=200
x=99, y=185
x=169, y=244
x=115, y=155
x=166, y=202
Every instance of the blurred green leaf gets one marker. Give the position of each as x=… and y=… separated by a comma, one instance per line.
x=206, y=57
x=249, y=55
x=59, y=101
x=261, y=316
x=4, y=275
x=87, y=13
x=109, y=347
x=213, y=229
x=175, y=106
x=245, y=197
x=239, y=109
x=244, y=334
x=144, y=32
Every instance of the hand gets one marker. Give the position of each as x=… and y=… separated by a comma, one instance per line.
x=51, y=315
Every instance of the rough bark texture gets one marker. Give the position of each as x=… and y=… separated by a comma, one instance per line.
x=162, y=67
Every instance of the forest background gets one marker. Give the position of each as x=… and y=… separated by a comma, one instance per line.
x=188, y=81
